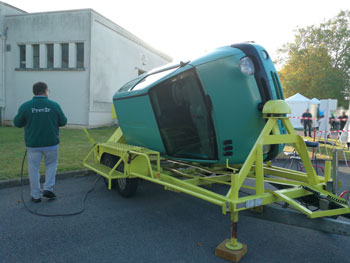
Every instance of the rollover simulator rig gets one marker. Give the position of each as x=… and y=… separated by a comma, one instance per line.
x=219, y=120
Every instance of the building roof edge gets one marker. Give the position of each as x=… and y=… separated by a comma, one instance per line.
x=122, y=31
x=1, y=2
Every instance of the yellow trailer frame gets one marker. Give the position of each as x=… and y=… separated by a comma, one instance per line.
x=188, y=178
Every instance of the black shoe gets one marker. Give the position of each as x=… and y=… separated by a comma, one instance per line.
x=36, y=200
x=49, y=194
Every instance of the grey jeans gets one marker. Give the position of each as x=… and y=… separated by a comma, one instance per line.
x=35, y=156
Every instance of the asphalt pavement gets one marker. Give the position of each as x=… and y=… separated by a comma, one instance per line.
x=153, y=226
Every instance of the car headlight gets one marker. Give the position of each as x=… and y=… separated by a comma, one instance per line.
x=247, y=66
x=264, y=54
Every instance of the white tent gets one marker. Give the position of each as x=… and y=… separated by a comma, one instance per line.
x=345, y=136
x=298, y=97
x=298, y=104
x=344, y=139
x=315, y=101
x=327, y=106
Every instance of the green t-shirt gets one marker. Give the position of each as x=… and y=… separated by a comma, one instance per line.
x=41, y=119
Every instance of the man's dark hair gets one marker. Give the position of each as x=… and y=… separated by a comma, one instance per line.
x=39, y=88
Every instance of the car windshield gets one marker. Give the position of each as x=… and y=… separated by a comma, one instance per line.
x=184, y=118
x=152, y=78
x=130, y=84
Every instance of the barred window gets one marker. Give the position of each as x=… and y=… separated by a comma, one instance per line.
x=80, y=55
x=52, y=56
x=36, y=56
x=49, y=55
x=22, y=56
x=65, y=55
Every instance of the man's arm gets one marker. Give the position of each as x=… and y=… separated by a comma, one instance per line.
x=62, y=119
x=20, y=120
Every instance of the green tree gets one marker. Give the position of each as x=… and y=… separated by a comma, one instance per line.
x=317, y=63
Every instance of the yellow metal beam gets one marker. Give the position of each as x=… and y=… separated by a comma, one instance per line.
x=145, y=164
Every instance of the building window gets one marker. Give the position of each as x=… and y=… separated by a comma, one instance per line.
x=36, y=56
x=140, y=71
x=22, y=56
x=80, y=55
x=65, y=55
x=49, y=55
x=60, y=56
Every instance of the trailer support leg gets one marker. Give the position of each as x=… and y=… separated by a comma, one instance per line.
x=231, y=249
x=233, y=244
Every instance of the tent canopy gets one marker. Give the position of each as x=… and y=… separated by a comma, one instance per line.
x=315, y=101
x=298, y=97
x=298, y=105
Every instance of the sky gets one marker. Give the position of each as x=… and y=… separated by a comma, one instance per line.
x=185, y=29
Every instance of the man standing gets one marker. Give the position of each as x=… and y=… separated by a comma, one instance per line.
x=307, y=120
x=41, y=119
x=343, y=120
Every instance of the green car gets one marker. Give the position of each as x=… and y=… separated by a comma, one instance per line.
x=207, y=110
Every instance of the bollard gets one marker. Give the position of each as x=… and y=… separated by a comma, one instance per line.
x=335, y=172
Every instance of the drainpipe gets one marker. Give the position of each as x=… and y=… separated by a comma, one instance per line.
x=3, y=95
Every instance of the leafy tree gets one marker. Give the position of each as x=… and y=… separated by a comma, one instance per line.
x=317, y=63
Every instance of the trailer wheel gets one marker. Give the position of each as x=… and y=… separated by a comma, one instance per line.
x=126, y=186
x=109, y=161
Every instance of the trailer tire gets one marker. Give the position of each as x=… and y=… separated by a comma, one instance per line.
x=109, y=161
x=127, y=187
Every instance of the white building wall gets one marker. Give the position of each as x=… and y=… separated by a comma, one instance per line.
x=5, y=9
x=69, y=87
x=57, y=63
x=43, y=58
x=116, y=56
x=111, y=58
x=72, y=55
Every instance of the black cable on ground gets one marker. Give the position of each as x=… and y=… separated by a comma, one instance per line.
x=55, y=215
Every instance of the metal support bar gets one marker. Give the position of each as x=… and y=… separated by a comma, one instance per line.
x=181, y=186
x=92, y=141
x=148, y=162
x=335, y=171
x=290, y=217
x=88, y=155
x=233, y=244
x=172, y=175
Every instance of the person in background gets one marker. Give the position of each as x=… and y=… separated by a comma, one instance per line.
x=41, y=119
x=343, y=120
x=307, y=121
x=332, y=120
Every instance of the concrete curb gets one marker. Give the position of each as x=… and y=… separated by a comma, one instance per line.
x=59, y=176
